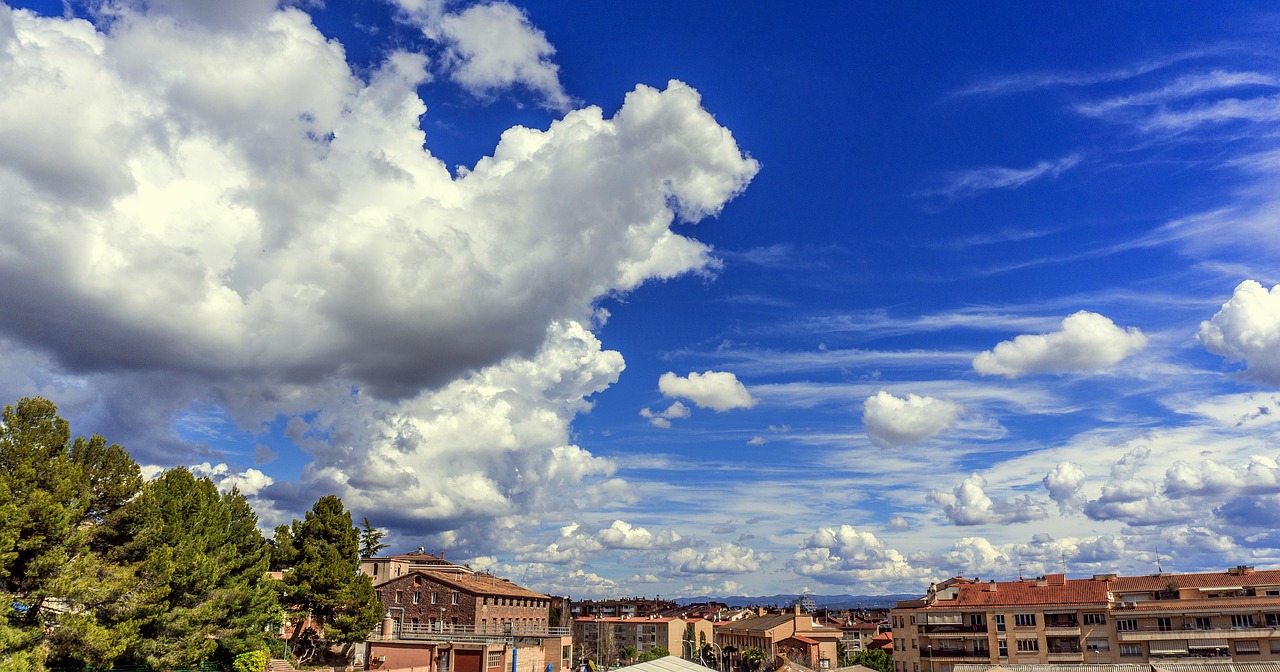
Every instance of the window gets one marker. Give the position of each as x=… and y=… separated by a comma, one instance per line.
x=1024, y=620
x=1126, y=624
x=397, y=597
x=417, y=597
x=1275, y=646
x=999, y=622
x=977, y=620
x=433, y=598
x=1097, y=645
x=378, y=593
x=1242, y=620
x=1164, y=624
x=455, y=597
x=1130, y=650
x=1028, y=645
x=1204, y=623
x=495, y=659
x=1272, y=592
x=1273, y=620
x=913, y=620
x=1095, y=619
x=1002, y=647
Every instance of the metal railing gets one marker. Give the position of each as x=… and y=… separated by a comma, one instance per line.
x=469, y=633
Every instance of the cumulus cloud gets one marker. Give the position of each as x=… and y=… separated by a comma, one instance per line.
x=892, y=422
x=717, y=390
x=249, y=482
x=1247, y=329
x=229, y=215
x=663, y=419
x=846, y=555
x=968, y=504
x=723, y=559
x=1063, y=483
x=621, y=535
x=1132, y=499
x=1087, y=343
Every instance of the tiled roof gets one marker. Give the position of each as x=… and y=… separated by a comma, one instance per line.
x=1265, y=577
x=627, y=619
x=1024, y=593
x=479, y=584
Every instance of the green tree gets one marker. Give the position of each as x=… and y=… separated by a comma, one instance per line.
x=653, y=654
x=753, y=657
x=874, y=659
x=628, y=653
x=325, y=581
x=60, y=597
x=200, y=555
x=370, y=539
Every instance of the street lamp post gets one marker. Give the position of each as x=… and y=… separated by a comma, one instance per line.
x=929, y=647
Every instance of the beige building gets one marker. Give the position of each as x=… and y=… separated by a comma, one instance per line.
x=793, y=634
x=602, y=639
x=1231, y=616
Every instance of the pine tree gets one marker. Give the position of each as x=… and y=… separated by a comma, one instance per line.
x=59, y=594
x=325, y=582
x=370, y=539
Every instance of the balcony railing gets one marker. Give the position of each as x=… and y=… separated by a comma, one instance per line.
x=945, y=628
x=447, y=632
x=958, y=653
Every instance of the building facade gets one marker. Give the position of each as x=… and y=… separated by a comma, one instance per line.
x=793, y=634
x=1231, y=616
x=603, y=639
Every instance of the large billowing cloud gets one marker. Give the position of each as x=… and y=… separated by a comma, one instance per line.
x=1247, y=329
x=723, y=559
x=847, y=555
x=717, y=390
x=623, y=535
x=892, y=422
x=226, y=215
x=1087, y=343
x=969, y=504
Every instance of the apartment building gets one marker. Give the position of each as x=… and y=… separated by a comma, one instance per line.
x=603, y=639
x=634, y=607
x=444, y=617
x=1231, y=616
x=793, y=634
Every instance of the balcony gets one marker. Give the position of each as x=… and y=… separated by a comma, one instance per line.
x=948, y=654
x=1065, y=654
x=942, y=629
x=493, y=634
x=1147, y=634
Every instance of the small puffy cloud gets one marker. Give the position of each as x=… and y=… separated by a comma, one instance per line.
x=1086, y=343
x=846, y=555
x=968, y=504
x=892, y=422
x=717, y=390
x=724, y=559
x=897, y=523
x=493, y=46
x=663, y=418
x=756, y=441
x=1063, y=483
x=621, y=535
x=1247, y=329
x=250, y=481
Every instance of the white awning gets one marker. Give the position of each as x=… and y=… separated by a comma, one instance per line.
x=1207, y=644
x=1247, y=646
x=943, y=619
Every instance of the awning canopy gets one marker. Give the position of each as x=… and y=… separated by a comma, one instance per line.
x=1207, y=644
x=943, y=619
x=1171, y=648
x=1248, y=646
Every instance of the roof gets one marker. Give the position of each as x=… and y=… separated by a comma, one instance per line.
x=667, y=664
x=1265, y=577
x=1025, y=593
x=477, y=584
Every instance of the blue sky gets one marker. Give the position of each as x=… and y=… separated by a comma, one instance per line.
x=668, y=298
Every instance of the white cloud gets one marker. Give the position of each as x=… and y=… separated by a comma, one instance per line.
x=977, y=180
x=663, y=419
x=1247, y=329
x=1063, y=483
x=232, y=216
x=723, y=559
x=250, y=481
x=846, y=555
x=493, y=46
x=968, y=504
x=718, y=390
x=621, y=535
x=892, y=422
x=898, y=523
x=1087, y=343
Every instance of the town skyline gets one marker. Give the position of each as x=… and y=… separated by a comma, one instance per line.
x=672, y=299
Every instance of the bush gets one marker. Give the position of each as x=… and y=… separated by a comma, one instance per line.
x=251, y=661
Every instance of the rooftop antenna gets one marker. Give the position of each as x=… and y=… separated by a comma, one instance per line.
x=1159, y=569
x=1020, y=565
x=1064, y=563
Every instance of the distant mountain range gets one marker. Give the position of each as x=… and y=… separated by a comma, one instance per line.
x=828, y=601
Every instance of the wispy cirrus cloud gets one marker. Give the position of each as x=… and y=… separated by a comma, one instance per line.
x=987, y=178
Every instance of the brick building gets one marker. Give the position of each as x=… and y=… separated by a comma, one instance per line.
x=445, y=617
x=1164, y=618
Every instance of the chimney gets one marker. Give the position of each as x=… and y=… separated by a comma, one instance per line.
x=991, y=587
x=795, y=609
x=1240, y=569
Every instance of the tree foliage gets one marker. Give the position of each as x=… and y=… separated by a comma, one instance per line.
x=370, y=539
x=324, y=580
x=874, y=659
x=753, y=657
